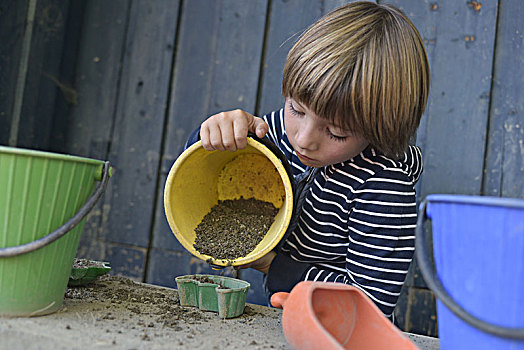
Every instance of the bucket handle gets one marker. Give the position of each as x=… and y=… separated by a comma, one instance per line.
x=65, y=228
x=434, y=283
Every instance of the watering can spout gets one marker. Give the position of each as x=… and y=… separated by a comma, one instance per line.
x=319, y=315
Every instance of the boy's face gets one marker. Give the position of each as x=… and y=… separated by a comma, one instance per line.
x=318, y=142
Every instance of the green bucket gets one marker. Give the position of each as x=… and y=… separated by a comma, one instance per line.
x=44, y=198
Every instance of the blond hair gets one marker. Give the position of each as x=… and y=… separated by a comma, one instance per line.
x=364, y=67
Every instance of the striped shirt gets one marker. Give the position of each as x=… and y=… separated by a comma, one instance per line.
x=357, y=224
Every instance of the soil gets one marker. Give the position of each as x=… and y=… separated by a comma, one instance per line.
x=119, y=313
x=85, y=263
x=233, y=228
x=165, y=306
x=205, y=279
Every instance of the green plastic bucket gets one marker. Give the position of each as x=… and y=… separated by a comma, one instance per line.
x=44, y=198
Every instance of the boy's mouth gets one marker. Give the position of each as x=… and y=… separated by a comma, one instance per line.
x=300, y=155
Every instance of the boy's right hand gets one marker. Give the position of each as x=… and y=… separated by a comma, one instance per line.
x=228, y=130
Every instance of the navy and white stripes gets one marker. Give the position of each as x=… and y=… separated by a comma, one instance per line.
x=358, y=220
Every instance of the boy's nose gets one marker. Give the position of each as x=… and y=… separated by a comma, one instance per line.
x=306, y=136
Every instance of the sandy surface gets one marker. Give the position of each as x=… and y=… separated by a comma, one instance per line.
x=117, y=313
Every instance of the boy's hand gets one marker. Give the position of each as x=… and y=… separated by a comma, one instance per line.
x=261, y=264
x=228, y=130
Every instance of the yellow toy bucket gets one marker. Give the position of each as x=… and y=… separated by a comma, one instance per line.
x=199, y=179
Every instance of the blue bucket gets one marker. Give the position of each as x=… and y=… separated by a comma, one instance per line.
x=478, y=276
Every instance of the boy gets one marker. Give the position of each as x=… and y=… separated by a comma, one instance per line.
x=355, y=86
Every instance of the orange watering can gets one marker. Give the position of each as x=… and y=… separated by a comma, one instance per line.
x=320, y=315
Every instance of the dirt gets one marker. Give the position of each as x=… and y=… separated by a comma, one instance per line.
x=85, y=263
x=205, y=279
x=119, y=313
x=233, y=228
x=164, y=305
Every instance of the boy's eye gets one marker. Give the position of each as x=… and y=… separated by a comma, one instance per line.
x=293, y=110
x=336, y=137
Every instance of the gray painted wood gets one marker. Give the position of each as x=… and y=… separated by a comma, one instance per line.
x=43, y=82
x=97, y=77
x=190, y=94
x=238, y=54
x=504, y=167
x=68, y=94
x=164, y=265
x=458, y=107
x=12, y=26
x=90, y=122
x=139, y=121
x=288, y=19
x=38, y=67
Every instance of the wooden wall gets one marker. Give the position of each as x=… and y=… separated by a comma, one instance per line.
x=126, y=81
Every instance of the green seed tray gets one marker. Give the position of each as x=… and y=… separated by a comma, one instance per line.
x=224, y=295
x=85, y=275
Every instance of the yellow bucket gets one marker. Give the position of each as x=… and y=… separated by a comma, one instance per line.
x=199, y=179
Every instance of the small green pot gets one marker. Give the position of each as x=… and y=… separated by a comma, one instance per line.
x=224, y=295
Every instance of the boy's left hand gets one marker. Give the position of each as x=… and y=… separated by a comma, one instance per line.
x=261, y=264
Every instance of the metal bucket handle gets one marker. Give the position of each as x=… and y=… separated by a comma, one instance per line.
x=434, y=283
x=65, y=228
